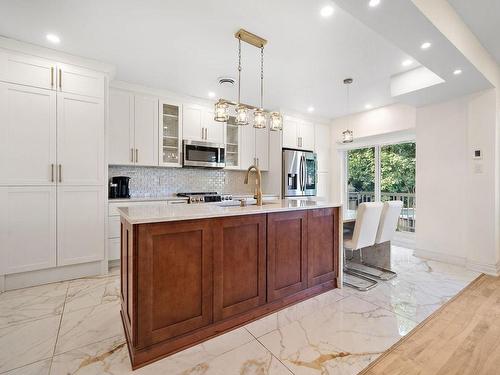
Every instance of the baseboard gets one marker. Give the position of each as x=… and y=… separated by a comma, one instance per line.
x=406, y=240
x=2, y=283
x=489, y=269
x=440, y=257
x=50, y=275
x=114, y=263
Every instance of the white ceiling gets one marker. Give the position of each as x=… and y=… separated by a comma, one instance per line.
x=184, y=46
x=483, y=18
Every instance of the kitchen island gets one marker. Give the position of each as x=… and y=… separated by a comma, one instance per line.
x=191, y=272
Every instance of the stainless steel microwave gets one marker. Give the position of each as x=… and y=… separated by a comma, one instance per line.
x=203, y=154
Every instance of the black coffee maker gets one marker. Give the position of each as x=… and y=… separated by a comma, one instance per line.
x=119, y=187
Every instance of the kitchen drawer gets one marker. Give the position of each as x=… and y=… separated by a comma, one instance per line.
x=113, y=226
x=114, y=248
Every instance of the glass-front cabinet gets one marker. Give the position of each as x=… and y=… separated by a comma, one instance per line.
x=170, y=134
x=232, y=144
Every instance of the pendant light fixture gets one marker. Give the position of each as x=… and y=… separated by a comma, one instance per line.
x=348, y=135
x=260, y=115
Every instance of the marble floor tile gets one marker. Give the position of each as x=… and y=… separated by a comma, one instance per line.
x=290, y=314
x=340, y=338
x=90, y=292
x=21, y=307
x=37, y=368
x=111, y=357
x=89, y=325
x=29, y=342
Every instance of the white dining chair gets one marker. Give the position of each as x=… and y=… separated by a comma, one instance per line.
x=385, y=232
x=365, y=233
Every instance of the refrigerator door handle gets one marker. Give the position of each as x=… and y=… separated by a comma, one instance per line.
x=302, y=173
x=305, y=173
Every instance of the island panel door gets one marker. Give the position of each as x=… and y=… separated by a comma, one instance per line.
x=286, y=254
x=174, y=279
x=239, y=265
x=322, y=245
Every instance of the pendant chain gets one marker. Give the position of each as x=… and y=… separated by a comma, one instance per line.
x=261, y=77
x=239, y=70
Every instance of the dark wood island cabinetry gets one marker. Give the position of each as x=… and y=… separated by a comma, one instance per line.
x=185, y=281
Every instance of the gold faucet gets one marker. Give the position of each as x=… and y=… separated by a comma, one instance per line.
x=258, y=188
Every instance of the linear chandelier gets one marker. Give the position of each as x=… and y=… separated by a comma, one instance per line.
x=260, y=115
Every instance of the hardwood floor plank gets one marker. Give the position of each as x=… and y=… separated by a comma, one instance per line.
x=462, y=337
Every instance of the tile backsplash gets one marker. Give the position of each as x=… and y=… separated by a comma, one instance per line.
x=161, y=182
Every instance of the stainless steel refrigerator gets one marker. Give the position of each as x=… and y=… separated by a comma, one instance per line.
x=299, y=173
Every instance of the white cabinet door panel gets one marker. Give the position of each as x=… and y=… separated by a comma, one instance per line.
x=27, y=135
x=322, y=146
x=192, y=122
x=247, y=146
x=27, y=228
x=114, y=226
x=80, y=140
x=146, y=130
x=262, y=148
x=74, y=80
x=306, y=134
x=80, y=224
x=114, y=248
x=323, y=185
x=121, y=128
x=290, y=135
x=27, y=70
x=215, y=131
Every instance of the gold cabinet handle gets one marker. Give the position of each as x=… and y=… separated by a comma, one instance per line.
x=131, y=155
x=52, y=172
x=52, y=76
x=137, y=155
x=60, y=172
x=60, y=79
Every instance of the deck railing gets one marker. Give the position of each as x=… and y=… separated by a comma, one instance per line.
x=407, y=218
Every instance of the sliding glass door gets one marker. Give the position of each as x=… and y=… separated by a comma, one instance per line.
x=383, y=173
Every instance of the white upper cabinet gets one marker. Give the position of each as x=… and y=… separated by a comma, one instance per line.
x=323, y=185
x=254, y=147
x=80, y=140
x=27, y=70
x=233, y=144
x=121, y=128
x=27, y=228
x=192, y=123
x=170, y=133
x=27, y=135
x=298, y=134
x=75, y=80
x=214, y=131
x=322, y=146
x=146, y=130
x=46, y=74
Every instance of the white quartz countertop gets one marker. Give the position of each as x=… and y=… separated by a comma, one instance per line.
x=146, y=199
x=164, y=212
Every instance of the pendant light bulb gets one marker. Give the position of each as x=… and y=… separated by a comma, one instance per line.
x=275, y=121
x=221, y=111
x=259, y=119
x=241, y=115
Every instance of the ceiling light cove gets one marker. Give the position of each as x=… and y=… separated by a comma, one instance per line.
x=425, y=45
x=326, y=11
x=457, y=72
x=211, y=94
x=407, y=62
x=310, y=109
x=374, y=3
x=53, y=38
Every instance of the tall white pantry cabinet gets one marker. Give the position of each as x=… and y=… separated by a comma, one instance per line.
x=52, y=164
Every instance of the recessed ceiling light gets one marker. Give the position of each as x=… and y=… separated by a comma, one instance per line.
x=310, y=109
x=53, y=38
x=374, y=3
x=407, y=62
x=326, y=11
x=211, y=94
x=425, y=45
x=457, y=72
x=368, y=106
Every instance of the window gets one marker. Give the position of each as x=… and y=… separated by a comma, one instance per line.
x=383, y=173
